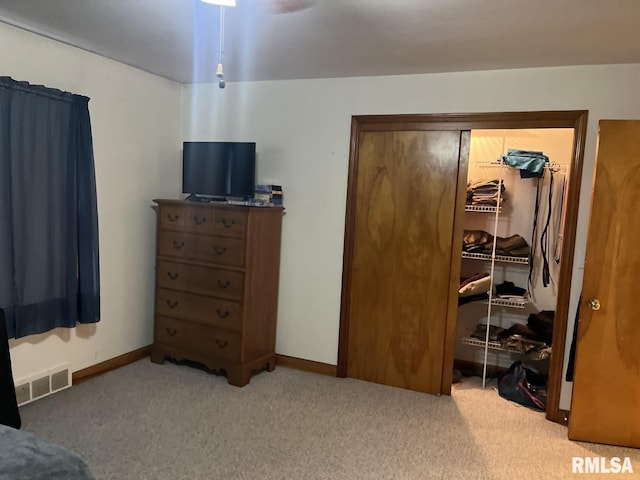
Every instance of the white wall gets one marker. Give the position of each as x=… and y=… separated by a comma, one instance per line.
x=302, y=132
x=136, y=133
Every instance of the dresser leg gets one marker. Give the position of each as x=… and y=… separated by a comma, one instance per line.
x=157, y=356
x=238, y=376
x=271, y=364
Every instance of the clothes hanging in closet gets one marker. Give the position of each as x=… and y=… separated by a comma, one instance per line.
x=544, y=235
x=557, y=251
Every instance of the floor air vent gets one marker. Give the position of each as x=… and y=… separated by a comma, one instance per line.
x=43, y=384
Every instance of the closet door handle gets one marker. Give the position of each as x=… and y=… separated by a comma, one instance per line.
x=221, y=343
x=222, y=313
x=172, y=275
x=228, y=223
x=220, y=250
x=171, y=303
x=171, y=331
x=178, y=245
x=594, y=304
x=224, y=283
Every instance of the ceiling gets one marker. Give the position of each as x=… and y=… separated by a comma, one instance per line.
x=179, y=39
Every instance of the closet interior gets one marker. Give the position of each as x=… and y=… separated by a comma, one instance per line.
x=511, y=251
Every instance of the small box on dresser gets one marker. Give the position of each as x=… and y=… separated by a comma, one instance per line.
x=217, y=276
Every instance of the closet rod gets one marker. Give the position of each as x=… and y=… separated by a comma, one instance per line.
x=549, y=166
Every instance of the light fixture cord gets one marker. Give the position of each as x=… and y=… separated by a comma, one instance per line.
x=221, y=32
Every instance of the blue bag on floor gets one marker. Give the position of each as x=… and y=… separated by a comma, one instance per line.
x=515, y=384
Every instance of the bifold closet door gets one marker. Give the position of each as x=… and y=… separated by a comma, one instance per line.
x=402, y=250
x=605, y=404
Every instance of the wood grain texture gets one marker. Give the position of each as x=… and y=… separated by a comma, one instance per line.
x=576, y=119
x=212, y=311
x=456, y=260
x=471, y=121
x=556, y=366
x=205, y=248
x=195, y=337
x=406, y=196
x=347, y=260
x=199, y=279
x=264, y=232
x=605, y=404
x=217, y=278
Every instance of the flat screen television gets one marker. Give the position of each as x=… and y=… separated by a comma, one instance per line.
x=218, y=169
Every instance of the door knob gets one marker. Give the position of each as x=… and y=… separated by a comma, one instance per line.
x=594, y=304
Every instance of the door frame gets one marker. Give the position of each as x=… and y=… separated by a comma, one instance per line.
x=575, y=119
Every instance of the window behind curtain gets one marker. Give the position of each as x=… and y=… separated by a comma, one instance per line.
x=49, y=273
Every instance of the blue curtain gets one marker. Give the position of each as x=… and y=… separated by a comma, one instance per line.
x=49, y=271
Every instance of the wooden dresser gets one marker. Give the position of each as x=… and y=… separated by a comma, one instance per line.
x=217, y=274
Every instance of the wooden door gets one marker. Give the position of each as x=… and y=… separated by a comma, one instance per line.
x=401, y=261
x=605, y=406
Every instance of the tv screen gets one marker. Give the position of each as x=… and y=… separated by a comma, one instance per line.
x=220, y=169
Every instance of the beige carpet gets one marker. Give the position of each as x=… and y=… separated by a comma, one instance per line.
x=148, y=421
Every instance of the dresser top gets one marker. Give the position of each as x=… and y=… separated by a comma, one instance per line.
x=184, y=203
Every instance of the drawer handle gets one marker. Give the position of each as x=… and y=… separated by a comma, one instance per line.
x=221, y=343
x=172, y=303
x=222, y=313
x=171, y=331
x=220, y=250
x=224, y=283
x=228, y=223
x=178, y=245
x=173, y=218
x=172, y=275
x=199, y=220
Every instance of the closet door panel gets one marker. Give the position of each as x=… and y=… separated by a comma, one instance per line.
x=605, y=406
x=405, y=207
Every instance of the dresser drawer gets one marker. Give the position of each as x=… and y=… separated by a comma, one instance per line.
x=225, y=222
x=197, y=338
x=200, y=280
x=172, y=217
x=199, y=219
x=205, y=248
x=230, y=223
x=206, y=310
